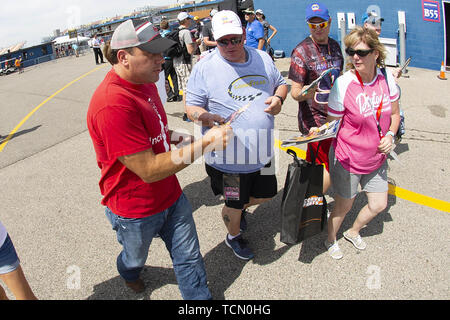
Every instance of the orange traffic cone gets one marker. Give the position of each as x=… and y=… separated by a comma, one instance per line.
x=442, y=73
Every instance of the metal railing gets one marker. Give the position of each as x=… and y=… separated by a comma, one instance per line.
x=32, y=62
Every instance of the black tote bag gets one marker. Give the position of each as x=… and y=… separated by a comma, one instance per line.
x=303, y=206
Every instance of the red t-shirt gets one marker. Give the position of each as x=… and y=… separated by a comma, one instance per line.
x=123, y=119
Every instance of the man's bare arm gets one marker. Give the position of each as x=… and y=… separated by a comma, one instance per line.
x=203, y=117
x=151, y=167
x=297, y=88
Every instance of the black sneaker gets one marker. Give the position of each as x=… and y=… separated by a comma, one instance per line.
x=239, y=247
x=185, y=118
x=172, y=98
x=243, y=225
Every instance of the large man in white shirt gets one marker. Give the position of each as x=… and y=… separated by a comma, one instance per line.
x=236, y=77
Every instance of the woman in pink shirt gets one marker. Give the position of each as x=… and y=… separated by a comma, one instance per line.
x=367, y=103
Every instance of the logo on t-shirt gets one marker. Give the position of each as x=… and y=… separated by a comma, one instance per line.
x=247, y=88
x=162, y=136
x=368, y=105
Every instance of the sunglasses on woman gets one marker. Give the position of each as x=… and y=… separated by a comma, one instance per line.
x=321, y=25
x=362, y=53
x=233, y=41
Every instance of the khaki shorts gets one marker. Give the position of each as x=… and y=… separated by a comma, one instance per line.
x=183, y=72
x=345, y=183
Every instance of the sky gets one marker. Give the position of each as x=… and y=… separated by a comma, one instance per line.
x=31, y=20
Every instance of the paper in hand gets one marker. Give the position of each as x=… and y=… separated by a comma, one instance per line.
x=315, y=83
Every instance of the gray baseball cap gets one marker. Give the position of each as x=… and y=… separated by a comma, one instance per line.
x=144, y=36
x=371, y=18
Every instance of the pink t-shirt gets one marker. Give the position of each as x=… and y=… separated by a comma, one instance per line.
x=358, y=139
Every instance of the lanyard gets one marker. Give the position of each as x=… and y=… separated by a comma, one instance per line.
x=376, y=115
x=320, y=52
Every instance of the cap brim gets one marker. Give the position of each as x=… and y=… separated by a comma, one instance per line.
x=323, y=17
x=227, y=32
x=158, y=45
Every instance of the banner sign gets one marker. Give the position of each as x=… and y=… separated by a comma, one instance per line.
x=431, y=11
x=73, y=33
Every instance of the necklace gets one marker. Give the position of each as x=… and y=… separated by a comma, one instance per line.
x=377, y=114
x=319, y=51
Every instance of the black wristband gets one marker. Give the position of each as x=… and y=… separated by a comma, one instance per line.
x=281, y=99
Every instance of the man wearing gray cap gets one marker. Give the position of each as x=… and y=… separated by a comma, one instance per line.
x=128, y=127
x=371, y=20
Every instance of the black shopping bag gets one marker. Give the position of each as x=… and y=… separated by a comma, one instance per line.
x=303, y=206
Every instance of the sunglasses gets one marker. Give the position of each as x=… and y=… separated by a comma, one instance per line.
x=321, y=25
x=233, y=41
x=362, y=53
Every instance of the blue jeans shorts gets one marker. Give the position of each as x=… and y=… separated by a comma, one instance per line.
x=9, y=261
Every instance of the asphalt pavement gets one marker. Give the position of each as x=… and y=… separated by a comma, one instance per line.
x=50, y=204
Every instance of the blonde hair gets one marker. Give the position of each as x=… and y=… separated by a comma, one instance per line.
x=369, y=37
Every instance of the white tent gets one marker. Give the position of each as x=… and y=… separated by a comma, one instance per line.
x=66, y=39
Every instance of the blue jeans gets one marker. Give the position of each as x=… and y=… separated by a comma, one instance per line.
x=9, y=261
x=176, y=227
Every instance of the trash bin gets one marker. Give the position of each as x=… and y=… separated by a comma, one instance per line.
x=278, y=54
x=391, y=47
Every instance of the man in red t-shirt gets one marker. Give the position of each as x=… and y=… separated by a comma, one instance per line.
x=128, y=127
x=309, y=59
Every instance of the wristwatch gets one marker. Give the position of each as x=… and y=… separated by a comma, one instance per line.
x=390, y=133
x=279, y=97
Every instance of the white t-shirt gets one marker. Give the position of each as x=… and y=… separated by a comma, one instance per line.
x=222, y=87
x=161, y=86
x=3, y=234
x=96, y=43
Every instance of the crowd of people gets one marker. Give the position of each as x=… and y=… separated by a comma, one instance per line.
x=234, y=89
x=66, y=50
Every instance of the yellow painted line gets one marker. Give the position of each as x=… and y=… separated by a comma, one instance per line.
x=300, y=153
x=11, y=134
x=419, y=198
x=393, y=190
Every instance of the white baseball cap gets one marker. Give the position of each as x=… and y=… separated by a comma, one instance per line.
x=183, y=16
x=213, y=12
x=226, y=22
x=259, y=11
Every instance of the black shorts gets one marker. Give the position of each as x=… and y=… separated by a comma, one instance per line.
x=252, y=184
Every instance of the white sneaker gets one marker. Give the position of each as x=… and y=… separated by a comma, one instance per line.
x=357, y=241
x=333, y=250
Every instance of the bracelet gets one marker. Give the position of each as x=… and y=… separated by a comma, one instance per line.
x=281, y=99
x=390, y=133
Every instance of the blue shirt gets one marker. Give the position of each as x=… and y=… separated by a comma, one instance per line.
x=222, y=87
x=254, y=31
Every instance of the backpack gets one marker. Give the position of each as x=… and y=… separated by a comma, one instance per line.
x=401, y=129
x=178, y=49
